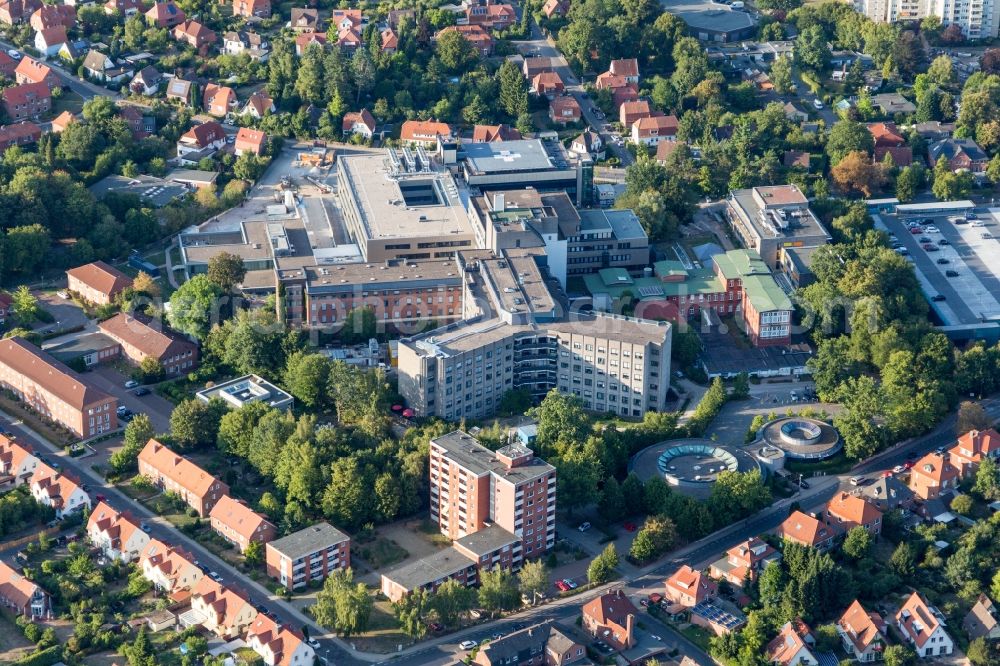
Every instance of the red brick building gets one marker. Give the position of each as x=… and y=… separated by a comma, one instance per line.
x=177, y=474
x=310, y=554
x=28, y=100
x=97, y=282
x=140, y=340
x=238, y=524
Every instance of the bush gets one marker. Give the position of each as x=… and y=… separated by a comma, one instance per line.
x=46, y=657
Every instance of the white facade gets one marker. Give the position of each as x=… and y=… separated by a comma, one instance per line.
x=978, y=19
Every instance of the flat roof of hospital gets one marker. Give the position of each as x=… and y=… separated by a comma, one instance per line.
x=522, y=155
x=623, y=223
x=377, y=194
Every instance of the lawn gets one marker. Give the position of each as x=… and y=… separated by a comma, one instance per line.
x=383, y=633
x=697, y=635
x=13, y=644
x=35, y=422
x=67, y=101
x=838, y=464
x=381, y=553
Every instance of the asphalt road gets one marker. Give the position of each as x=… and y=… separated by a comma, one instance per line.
x=85, y=89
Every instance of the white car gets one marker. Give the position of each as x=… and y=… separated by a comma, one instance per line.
x=584, y=527
x=855, y=480
x=932, y=230
x=14, y=54
x=977, y=224
x=313, y=643
x=898, y=469
x=131, y=384
x=818, y=104
x=467, y=645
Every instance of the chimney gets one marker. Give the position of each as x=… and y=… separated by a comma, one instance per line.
x=629, y=629
x=498, y=202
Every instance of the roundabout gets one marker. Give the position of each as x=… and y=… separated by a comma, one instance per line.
x=801, y=438
x=691, y=465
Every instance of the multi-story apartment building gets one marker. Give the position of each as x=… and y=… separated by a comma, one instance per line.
x=55, y=391
x=239, y=524
x=116, y=534
x=978, y=19
x=310, y=554
x=17, y=463
x=28, y=100
x=140, y=340
x=175, y=473
x=97, y=282
x=168, y=568
x=472, y=488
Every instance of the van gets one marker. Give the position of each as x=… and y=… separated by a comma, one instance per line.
x=738, y=4
x=855, y=480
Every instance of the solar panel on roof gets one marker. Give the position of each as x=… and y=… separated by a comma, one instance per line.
x=650, y=290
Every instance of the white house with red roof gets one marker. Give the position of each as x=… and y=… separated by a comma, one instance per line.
x=259, y=104
x=21, y=596
x=360, y=122
x=219, y=609
x=652, y=130
x=424, y=132
x=54, y=489
x=346, y=18
x=793, y=646
x=168, y=568
x=219, y=100
x=250, y=141
x=862, y=633
x=278, y=645
x=17, y=463
x=30, y=70
x=199, y=137
x=117, y=534
x=689, y=587
x=922, y=625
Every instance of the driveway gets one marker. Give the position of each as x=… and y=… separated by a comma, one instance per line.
x=156, y=407
x=67, y=314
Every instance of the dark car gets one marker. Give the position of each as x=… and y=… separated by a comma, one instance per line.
x=942, y=261
x=944, y=241
x=932, y=248
x=951, y=273
x=925, y=239
x=937, y=298
x=139, y=392
x=803, y=484
x=929, y=220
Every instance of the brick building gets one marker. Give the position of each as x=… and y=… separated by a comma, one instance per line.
x=28, y=100
x=309, y=554
x=140, y=340
x=97, y=282
x=174, y=473
x=239, y=524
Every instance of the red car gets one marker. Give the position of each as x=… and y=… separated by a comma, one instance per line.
x=916, y=230
x=629, y=527
x=886, y=474
x=563, y=587
x=100, y=498
x=908, y=464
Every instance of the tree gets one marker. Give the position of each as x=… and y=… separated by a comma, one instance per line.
x=857, y=543
x=578, y=474
x=560, y=419
x=343, y=605
x=513, y=91
x=971, y=416
x=151, y=370
x=898, y=655
x=987, y=483
x=812, y=49
x=990, y=62
x=344, y=500
x=632, y=491
x=781, y=75
x=602, y=567
x=451, y=600
x=498, y=591
x=962, y=504
x=533, y=579
x=195, y=424
x=254, y=554
x=137, y=433
x=145, y=284
x=360, y=325
x=226, y=270
x=410, y=612
x=455, y=52
x=979, y=653
x=24, y=305
x=856, y=172
x=847, y=136
x=24, y=248
x=941, y=71
x=903, y=560
x=306, y=377
x=611, y=505
x=948, y=185
x=771, y=584
x=656, y=537
x=909, y=182
x=194, y=307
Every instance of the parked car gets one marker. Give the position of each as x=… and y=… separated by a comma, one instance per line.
x=916, y=231
x=313, y=643
x=584, y=527
x=214, y=576
x=856, y=480
x=944, y=241
x=937, y=298
x=562, y=587
x=951, y=273
x=139, y=392
x=435, y=627
x=898, y=469
x=943, y=261
x=569, y=581
x=818, y=104
x=468, y=645
x=131, y=384
x=144, y=527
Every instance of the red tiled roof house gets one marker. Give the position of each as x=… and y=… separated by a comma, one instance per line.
x=97, y=282
x=239, y=524
x=177, y=474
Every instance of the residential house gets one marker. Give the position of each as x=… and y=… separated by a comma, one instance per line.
x=886, y=134
x=651, y=131
x=849, y=511
x=28, y=100
x=490, y=15
x=116, y=534
x=252, y=8
x=626, y=93
x=57, y=491
x=627, y=68
x=532, y=66
x=589, y=143
x=304, y=19
x=250, y=141
x=252, y=43
x=801, y=528
x=7, y=65
x=793, y=646
x=239, y=524
x=971, y=448
x=425, y=132
x=201, y=137
x=359, y=122
x=147, y=82
x=609, y=81
x=547, y=83
x=126, y=8
x=923, y=626
x=494, y=133
x=220, y=610
x=195, y=34
x=140, y=339
x=13, y=12
x=279, y=645
x=53, y=16
x=794, y=113
x=23, y=133
x=306, y=39
x=54, y=391
x=21, y=596
x=611, y=617
x=219, y=100
x=862, y=633
x=101, y=67
x=933, y=475
x=888, y=493
x=563, y=649
x=629, y=112
x=981, y=621
x=97, y=282
x=390, y=41
x=312, y=553
x=902, y=156
x=564, y=109
x=140, y=124
x=342, y=19
x=48, y=42
x=396, y=17
x=165, y=14
x=476, y=35
x=70, y=52
x=168, y=568
x=893, y=103
x=744, y=561
x=30, y=70
x=348, y=40
x=17, y=463
x=179, y=90
x=796, y=159
x=259, y=104
x=537, y=645
x=934, y=130
x=555, y=8
x=177, y=474
x=688, y=587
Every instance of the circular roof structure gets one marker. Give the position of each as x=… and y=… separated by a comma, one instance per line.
x=801, y=438
x=691, y=465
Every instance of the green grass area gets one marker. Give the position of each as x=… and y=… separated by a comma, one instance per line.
x=381, y=553
x=158, y=258
x=67, y=101
x=697, y=635
x=838, y=464
x=35, y=422
x=383, y=633
x=139, y=492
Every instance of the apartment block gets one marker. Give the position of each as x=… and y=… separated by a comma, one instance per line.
x=239, y=524
x=978, y=19
x=97, y=282
x=55, y=391
x=116, y=534
x=175, y=473
x=17, y=463
x=140, y=339
x=309, y=554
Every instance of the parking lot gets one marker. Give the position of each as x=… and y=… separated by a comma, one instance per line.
x=957, y=261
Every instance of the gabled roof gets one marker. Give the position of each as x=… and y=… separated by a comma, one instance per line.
x=237, y=516
x=664, y=125
x=22, y=132
x=625, y=67
x=15, y=587
x=165, y=11
x=690, y=581
x=281, y=640
x=805, y=529
x=362, y=117
x=28, y=360
x=204, y=134
x=976, y=445
x=178, y=469
x=179, y=88
x=169, y=560
x=101, y=277
x=303, y=40
x=861, y=627
x=12, y=455
x=261, y=102
x=33, y=70
x=638, y=106
x=852, y=510
x=917, y=619
x=155, y=342
x=303, y=17
x=54, y=35
x=97, y=61
x=789, y=641
x=115, y=526
x=547, y=79
x=562, y=102
x=886, y=134
x=952, y=148
x=348, y=37
x=352, y=15
x=492, y=133
x=610, y=607
x=225, y=601
x=981, y=620
x=933, y=467
x=195, y=30
x=389, y=39
x=901, y=155
x=25, y=93
x=53, y=484
x=423, y=130
x=252, y=139
x=148, y=75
